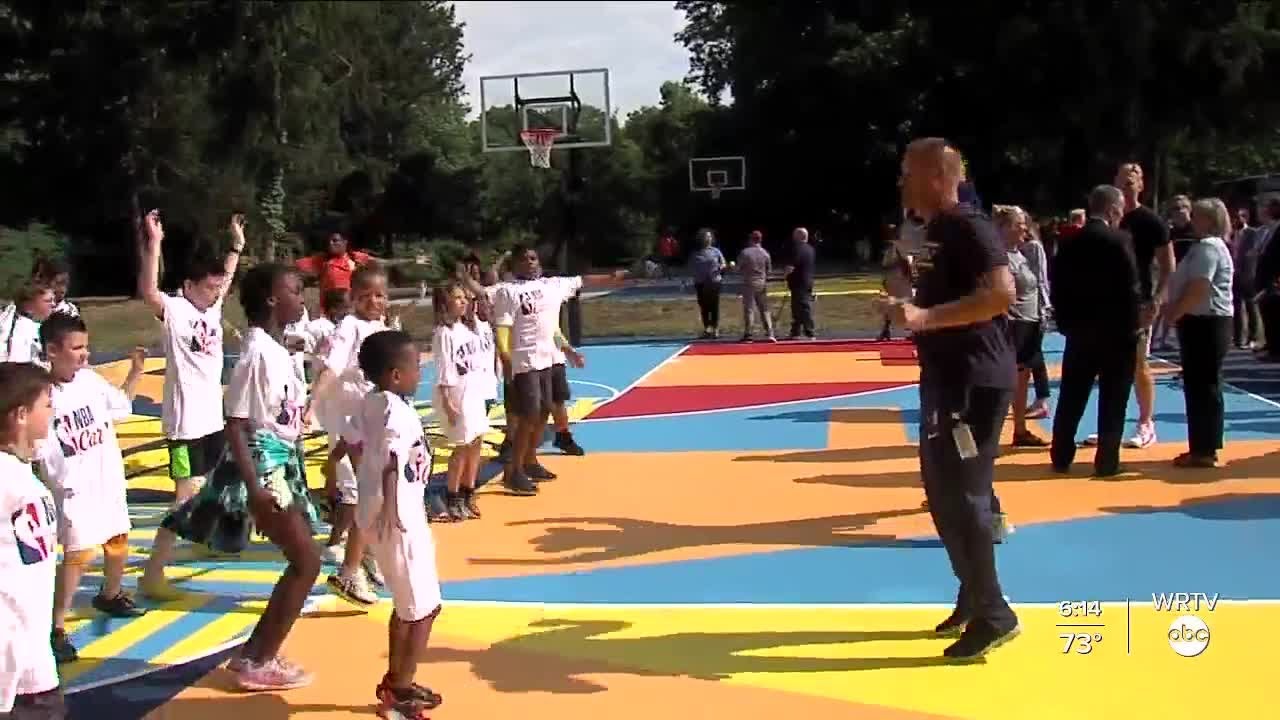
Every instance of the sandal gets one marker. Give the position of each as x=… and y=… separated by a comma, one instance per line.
x=1190, y=460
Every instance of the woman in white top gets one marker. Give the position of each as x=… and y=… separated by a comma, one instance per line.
x=1200, y=307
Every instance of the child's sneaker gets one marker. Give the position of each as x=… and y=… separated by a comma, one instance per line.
x=430, y=699
x=469, y=501
x=566, y=444
x=354, y=589
x=370, y=567
x=271, y=675
x=1144, y=438
x=63, y=650
x=121, y=606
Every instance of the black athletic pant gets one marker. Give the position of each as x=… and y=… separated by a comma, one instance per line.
x=1246, y=321
x=802, y=311
x=1040, y=376
x=960, y=493
x=1269, y=309
x=709, y=303
x=1110, y=361
x=1203, y=341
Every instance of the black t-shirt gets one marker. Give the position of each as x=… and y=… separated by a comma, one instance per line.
x=960, y=247
x=1183, y=238
x=1148, y=233
x=801, y=276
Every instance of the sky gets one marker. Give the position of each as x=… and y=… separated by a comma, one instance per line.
x=634, y=40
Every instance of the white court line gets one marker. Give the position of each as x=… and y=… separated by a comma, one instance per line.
x=643, y=377
x=602, y=386
x=758, y=406
x=1236, y=388
x=781, y=606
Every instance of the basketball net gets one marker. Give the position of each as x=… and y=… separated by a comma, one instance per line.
x=539, y=142
x=715, y=191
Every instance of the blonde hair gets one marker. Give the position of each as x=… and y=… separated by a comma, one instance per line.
x=1216, y=211
x=1006, y=215
x=950, y=160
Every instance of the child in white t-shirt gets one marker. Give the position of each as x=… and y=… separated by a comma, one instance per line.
x=20, y=329
x=259, y=482
x=81, y=463
x=463, y=381
x=193, y=335
x=394, y=469
x=335, y=305
x=55, y=274
x=29, y=685
x=338, y=390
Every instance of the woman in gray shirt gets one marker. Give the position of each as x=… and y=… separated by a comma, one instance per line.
x=1025, y=329
x=707, y=266
x=1200, y=307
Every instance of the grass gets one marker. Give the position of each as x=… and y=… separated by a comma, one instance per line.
x=118, y=326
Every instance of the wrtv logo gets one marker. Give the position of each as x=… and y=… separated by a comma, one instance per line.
x=1188, y=634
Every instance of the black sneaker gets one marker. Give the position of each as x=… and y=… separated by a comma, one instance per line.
x=953, y=625
x=63, y=651
x=979, y=638
x=457, y=510
x=504, y=452
x=469, y=502
x=537, y=473
x=567, y=445
x=120, y=606
x=519, y=484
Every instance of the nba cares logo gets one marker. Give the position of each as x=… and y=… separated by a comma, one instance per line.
x=33, y=529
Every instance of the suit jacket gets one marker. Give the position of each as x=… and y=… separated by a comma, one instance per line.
x=1094, y=285
x=1268, y=251
x=1244, y=253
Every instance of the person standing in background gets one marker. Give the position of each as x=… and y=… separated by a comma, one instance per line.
x=1033, y=251
x=800, y=282
x=707, y=266
x=755, y=264
x=1265, y=279
x=1244, y=255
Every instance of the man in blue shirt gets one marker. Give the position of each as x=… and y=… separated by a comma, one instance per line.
x=957, y=319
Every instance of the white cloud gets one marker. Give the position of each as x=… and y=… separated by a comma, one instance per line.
x=634, y=40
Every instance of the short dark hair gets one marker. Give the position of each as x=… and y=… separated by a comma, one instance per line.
x=256, y=288
x=365, y=274
x=48, y=268
x=203, y=264
x=378, y=353
x=58, y=326
x=20, y=385
x=332, y=298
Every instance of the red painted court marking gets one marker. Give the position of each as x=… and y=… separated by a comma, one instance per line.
x=887, y=349
x=643, y=401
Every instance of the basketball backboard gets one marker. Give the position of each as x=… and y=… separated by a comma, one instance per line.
x=574, y=103
x=717, y=174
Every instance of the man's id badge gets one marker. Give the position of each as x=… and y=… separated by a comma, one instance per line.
x=965, y=445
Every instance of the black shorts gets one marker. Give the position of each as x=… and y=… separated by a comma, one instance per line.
x=1026, y=337
x=559, y=385
x=195, y=458
x=529, y=394
x=48, y=705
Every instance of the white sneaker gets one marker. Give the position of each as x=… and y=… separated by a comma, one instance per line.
x=370, y=567
x=333, y=554
x=1145, y=437
x=354, y=589
x=1091, y=441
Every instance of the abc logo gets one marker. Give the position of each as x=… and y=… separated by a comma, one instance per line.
x=1188, y=636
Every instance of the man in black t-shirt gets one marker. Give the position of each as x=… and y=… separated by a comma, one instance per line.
x=1150, y=237
x=800, y=282
x=966, y=384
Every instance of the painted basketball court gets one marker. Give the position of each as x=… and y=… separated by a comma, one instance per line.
x=745, y=539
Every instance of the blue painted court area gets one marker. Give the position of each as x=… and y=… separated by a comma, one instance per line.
x=1128, y=555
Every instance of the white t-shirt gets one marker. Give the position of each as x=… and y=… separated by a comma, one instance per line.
x=28, y=557
x=531, y=308
x=485, y=363
x=193, y=369
x=394, y=434
x=264, y=389
x=340, y=409
x=460, y=363
x=319, y=332
x=82, y=460
x=19, y=338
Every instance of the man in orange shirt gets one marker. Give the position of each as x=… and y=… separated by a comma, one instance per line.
x=334, y=267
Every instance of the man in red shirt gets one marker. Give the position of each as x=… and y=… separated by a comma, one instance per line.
x=669, y=251
x=334, y=267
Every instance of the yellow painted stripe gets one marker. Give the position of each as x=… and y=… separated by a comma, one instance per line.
x=115, y=642
x=214, y=634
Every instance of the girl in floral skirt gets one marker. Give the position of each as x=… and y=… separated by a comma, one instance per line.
x=258, y=484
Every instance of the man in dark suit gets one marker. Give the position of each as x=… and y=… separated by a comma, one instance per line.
x=1097, y=301
x=1266, y=278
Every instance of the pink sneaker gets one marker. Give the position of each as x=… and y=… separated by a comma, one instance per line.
x=272, y=676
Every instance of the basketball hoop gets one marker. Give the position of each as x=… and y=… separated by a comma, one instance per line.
x=539, y=141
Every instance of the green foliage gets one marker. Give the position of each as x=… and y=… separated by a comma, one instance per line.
x=19, y=249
